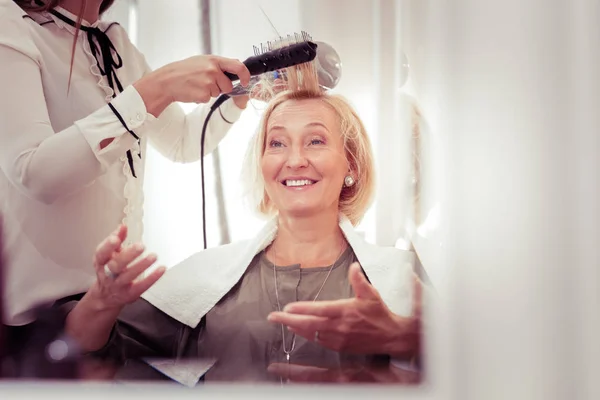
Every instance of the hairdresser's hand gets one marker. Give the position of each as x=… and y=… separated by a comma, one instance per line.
x=361, y=325
x=193, y=80
x=361, y=374
x=119, y=279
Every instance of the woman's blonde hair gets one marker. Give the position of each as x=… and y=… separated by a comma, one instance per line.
x=302, y=83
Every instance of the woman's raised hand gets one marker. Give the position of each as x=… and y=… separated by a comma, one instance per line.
x=119, y=271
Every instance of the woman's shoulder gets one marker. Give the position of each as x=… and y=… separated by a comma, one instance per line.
x=16, y=29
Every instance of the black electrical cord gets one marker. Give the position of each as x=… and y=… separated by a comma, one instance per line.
x=220, y=100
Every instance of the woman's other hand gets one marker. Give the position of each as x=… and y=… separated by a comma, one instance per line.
x=360, y=325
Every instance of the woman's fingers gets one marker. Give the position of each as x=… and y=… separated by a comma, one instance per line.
x=105, y=251
x=138, y=288
x=121, y=233
x=122, y=259
x=297, y=322
x=134, y=270
x=119, y=270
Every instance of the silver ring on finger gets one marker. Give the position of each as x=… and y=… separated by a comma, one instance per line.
x=109, y=274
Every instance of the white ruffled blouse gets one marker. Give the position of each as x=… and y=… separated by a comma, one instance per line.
x=60, y=193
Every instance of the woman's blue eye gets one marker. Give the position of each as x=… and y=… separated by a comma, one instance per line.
x=316, y=141
x=275, y=143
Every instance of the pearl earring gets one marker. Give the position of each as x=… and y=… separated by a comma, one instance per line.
x=348, y=181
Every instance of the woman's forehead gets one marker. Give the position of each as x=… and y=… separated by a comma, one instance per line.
x=298, y=112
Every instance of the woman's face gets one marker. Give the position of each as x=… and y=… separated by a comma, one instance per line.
x=304, y=162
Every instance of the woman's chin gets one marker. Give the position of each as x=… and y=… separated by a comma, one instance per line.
x=300, y=211
x=304, y=211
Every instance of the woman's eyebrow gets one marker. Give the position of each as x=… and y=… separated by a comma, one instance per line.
x=314, y=124
x=309, y=125
x=276, y=128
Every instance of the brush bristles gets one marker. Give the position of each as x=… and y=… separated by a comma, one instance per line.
x=282, y=42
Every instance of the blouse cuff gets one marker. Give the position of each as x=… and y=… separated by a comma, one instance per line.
x=119, y=121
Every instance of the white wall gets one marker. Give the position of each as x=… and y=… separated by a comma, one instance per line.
x=514, y=79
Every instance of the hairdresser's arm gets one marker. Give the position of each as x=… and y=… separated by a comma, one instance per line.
x=44, y=163
x=175, y=134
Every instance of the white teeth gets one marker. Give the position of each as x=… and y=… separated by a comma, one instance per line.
x=302, y=182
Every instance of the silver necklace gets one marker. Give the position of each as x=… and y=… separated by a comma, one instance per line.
x=289, y=351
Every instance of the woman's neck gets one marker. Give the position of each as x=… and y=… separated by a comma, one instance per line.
x=314, y=241
x=90, y=14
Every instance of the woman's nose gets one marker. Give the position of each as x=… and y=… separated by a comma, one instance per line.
x=297, y=158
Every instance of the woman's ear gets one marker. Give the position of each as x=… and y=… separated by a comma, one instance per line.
x=352, y=172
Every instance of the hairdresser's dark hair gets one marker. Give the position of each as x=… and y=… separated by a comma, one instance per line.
x=47, y=5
